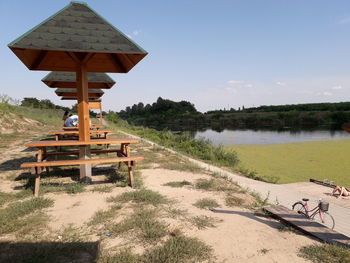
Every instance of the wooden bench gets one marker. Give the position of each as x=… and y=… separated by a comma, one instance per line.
x=130, y=161
x=93, y=127
x=123, y=156
x=60, y=134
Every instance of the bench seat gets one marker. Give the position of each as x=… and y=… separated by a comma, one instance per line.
x=37, y=166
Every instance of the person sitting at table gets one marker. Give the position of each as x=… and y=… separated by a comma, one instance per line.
x=342, y=191
x=65, y=117
x=72, y=121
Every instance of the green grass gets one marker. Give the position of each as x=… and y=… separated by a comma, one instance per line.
x=206, y=203
x=45, y=116
x=183, y=143
x=104, y=216
x=8, y=197
x=203, y=222
x=122, y=256
x=144, y=222
x=233, y=201
x=179, y=250
x=13, y=217
x=103, y=189
x=143, y=196
x=69, y=188
x=216, y=184
x=177, y=183
x=325, y=253
x=298, y=162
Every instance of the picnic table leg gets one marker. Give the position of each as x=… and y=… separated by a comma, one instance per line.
x=37, y=182
x=131, y=176
x=122, y=150
x=85, y=169
x=38, y=172
x=45, y=157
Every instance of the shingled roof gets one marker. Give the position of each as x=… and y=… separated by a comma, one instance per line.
x=77, y=28
x=61, y=79
x=92, y=93
x=75, y=98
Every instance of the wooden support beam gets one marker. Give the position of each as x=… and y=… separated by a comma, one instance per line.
x=117, y=62
x=100, y=113
x=42, y=54
x=83, y=103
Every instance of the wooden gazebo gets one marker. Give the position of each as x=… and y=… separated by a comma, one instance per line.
x=66, y=84
x=77, y=39
x=92, y=93
x=61, y=79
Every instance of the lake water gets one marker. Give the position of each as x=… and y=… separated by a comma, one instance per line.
x=229, y=137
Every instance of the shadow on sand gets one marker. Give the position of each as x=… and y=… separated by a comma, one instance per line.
x=40, y=252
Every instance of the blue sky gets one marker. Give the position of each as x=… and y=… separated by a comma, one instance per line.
x=216, y=54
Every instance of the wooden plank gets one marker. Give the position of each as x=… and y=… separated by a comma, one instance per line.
x=77, y=153
x=38, y=144
x=308, y=226
x=77, y=132
x=77, y=128
x=81, y=161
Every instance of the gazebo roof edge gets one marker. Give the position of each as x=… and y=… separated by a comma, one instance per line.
x=144, y=51
x=78, y=50
x=40, y=24
x=50, y=77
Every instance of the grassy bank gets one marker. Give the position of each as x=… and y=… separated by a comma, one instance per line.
x=297, y=162
x=44, y=116
x=184, y=143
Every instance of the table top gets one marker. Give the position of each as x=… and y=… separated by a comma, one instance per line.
x=77, y=132
x=39, y=144
x=77, y=128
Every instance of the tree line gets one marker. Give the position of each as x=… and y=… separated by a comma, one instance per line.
x=173, y=115
x=48, y=104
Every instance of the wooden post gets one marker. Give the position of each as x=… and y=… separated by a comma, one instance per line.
x=84, y=120
x=83, y=103
x=100, y=113
x=38, y=172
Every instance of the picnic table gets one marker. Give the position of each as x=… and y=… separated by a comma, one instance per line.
x=122, y=156
x=60, y=134
x=92, y=127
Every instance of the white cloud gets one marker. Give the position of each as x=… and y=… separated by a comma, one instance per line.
x=345, y=20
x=234, y=82
x=306, y=92
x=326, y=93
x=281, y=83
x=337, y=87
x=133, y=34
x=248, y=85
x=229, y=89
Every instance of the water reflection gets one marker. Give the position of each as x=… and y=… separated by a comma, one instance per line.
x=229, y=137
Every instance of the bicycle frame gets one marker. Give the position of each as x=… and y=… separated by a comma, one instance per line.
x=315, y=209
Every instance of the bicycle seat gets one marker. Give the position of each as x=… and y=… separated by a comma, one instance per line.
x=305, y=199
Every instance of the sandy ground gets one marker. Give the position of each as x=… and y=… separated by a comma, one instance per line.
x=239, y=235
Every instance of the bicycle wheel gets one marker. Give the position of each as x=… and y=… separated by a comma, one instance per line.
x=299, y=208
x=328, y=219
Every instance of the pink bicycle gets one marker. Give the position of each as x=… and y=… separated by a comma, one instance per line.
x=318, y=213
